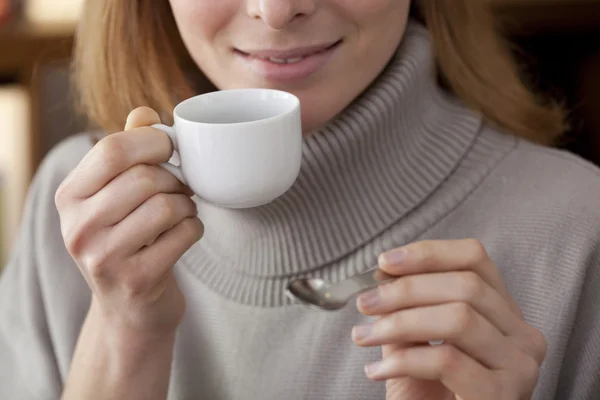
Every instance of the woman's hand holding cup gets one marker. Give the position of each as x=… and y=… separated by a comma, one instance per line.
x=126, y=221
x=127, y=217
x=126, y=213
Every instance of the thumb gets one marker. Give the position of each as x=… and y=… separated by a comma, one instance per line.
x=141, y=116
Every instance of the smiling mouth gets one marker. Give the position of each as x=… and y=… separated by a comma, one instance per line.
x=288, y=56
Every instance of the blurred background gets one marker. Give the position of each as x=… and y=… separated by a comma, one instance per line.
x=558, y=42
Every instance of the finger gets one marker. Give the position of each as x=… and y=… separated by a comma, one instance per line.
x=438, y=288
x=141, y=116
x=171, y=245
x=456, y=323
x=532, y=342
x=114, y=154
x=147, y=222
x=462, y=375
x=444, y=256
x=129, y=190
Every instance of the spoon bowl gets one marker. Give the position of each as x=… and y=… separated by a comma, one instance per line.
x=315, y=292
x=322, y=295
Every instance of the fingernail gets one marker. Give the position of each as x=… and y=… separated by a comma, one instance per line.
x=361, y=332
x=374, y=369
x=369, y=299
x=396, y=256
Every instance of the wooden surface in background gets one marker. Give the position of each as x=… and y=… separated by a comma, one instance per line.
x=23, y=48
x=22, y=43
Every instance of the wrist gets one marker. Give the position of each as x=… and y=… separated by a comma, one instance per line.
x=116, y=328
x=114, y=362
x=122, y=342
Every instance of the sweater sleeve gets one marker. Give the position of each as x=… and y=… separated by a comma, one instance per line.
x=580, y=375
x=43, y=297
x=28, y=368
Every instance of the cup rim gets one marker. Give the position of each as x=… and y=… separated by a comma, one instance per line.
x=224, y=92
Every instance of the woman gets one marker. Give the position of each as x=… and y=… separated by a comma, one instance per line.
x=494, y=238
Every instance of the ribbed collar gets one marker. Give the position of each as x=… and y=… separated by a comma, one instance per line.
x=362, y=173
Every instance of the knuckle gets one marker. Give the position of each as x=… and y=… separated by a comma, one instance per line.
x=190, y=206
x=388, y=326
x=403, y=287
x=61, y=195
x=96, y=264
x=111, y=151
x=134, y=284
x=539, y=344
x=426, y=251
x=163, y=206
x=144, y=178
x=517, y=311
x=471, y=286
x=448, y=360
x=142, y=171
x=73, y=240
x=193, y=228
x=462, y=319
x=400, y=359
x=388, y=291
x=530, y=369
x=75, y=234
x=476, y=251
x=395, y=325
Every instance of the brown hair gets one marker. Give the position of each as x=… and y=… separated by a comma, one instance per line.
x=129, y=54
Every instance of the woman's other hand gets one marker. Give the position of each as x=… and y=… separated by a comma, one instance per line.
x=449, y=291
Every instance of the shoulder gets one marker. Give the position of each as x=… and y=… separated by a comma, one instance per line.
x=538, y=179
x=558, y=164
x=542, y=204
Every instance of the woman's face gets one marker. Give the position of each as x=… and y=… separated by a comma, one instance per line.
x=326, y=52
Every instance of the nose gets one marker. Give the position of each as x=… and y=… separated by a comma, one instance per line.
x=277, y=14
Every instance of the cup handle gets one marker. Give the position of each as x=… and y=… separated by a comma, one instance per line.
x=173, y=169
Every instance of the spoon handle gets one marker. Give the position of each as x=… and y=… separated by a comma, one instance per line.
x=360, y=282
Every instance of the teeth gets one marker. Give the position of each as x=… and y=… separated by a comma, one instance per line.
x=294, y=60
x=285, y=60
x=278, y=60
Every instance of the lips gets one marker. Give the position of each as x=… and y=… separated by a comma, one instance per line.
x=291, y=55
x=288, y=65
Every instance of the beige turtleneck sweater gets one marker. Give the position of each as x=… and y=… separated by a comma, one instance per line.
x=404, y=162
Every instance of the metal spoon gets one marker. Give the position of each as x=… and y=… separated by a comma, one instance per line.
x=324, y=296
x=319, y=294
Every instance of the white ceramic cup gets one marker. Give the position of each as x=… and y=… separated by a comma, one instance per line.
x=238, y=148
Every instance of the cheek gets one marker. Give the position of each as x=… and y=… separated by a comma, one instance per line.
x=378, y=26
x=202, y=19
x=371, y=12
